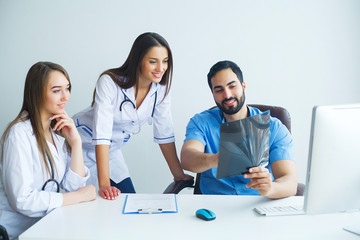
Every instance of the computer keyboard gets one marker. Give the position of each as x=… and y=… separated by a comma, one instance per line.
x=280, y=210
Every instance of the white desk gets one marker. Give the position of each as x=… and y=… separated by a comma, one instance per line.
x=103, y=219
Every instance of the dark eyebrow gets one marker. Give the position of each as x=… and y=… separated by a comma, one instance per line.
x=156, y=58
x=59, y=86
x=230, y=83
x=215, y=87
x=226, y=84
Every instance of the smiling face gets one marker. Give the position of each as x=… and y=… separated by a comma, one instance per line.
x=57, y=94
x=228, y=91
x=154, y=65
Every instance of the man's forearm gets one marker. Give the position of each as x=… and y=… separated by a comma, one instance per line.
x=197, y=161
x=283, y=187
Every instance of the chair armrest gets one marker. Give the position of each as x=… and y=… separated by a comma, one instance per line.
x=300, y=189
x=3, y=234
x=177, y=186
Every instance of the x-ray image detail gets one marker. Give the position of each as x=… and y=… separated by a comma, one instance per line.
x=243, y=144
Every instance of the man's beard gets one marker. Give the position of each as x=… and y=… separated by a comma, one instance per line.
x=232, y=109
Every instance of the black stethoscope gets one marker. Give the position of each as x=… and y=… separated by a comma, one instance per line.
x=126, y=99
x=52, y=179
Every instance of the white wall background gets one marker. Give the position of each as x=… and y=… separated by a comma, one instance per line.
x=295, y=54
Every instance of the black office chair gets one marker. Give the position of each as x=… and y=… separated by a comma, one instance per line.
x=279, y=112
x=3, y=233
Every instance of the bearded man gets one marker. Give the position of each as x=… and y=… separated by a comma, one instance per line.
x=200, y=152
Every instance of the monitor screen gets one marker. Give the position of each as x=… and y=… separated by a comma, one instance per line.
x=333, y=172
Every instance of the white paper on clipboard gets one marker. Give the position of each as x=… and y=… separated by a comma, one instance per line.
x=150, y=203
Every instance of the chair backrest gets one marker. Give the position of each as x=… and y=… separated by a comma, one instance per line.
x=279, y=112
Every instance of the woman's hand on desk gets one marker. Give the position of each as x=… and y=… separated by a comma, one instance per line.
x=88, y=193
x=84, y=194
x=260, y=179
x=109, y=192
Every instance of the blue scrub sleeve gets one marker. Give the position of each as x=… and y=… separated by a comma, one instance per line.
x=282, y=148
x=193, y=132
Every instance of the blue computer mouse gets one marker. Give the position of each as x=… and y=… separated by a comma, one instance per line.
x=205, y=214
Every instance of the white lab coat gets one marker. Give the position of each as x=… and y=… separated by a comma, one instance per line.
x=22, y=202
x=105, y=124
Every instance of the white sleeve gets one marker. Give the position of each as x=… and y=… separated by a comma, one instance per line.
x=163, y=125
x=105, y=98
x=18, y=176
x=73, y=181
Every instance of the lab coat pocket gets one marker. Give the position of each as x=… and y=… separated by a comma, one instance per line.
x=128, y=128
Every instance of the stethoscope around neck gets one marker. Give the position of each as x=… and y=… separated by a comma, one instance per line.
x=126, y=99
x=52, y=179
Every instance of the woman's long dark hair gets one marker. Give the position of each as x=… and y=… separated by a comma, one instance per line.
x=36, y=82
x=132, y=66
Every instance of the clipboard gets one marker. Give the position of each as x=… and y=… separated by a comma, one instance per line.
x=150, y=204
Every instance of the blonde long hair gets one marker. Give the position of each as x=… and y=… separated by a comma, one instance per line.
x=36, y=82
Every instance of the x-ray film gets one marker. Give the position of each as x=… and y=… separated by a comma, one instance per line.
x=243, y=144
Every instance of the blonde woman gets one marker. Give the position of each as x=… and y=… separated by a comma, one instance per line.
x=41, y=153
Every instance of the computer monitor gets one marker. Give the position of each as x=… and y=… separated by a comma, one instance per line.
x=333, y=172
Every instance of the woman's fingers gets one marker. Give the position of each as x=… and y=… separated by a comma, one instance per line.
x=109, y=192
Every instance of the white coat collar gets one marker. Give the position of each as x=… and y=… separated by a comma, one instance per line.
x=130, y=92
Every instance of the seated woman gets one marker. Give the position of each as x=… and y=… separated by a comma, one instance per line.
x=41, y=152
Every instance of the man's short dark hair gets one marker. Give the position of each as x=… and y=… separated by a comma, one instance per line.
x=224, y=65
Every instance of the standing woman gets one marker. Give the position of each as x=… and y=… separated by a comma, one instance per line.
x=41, y=152
x=124, y=99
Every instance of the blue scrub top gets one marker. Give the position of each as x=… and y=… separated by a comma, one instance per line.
x=205, y=127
